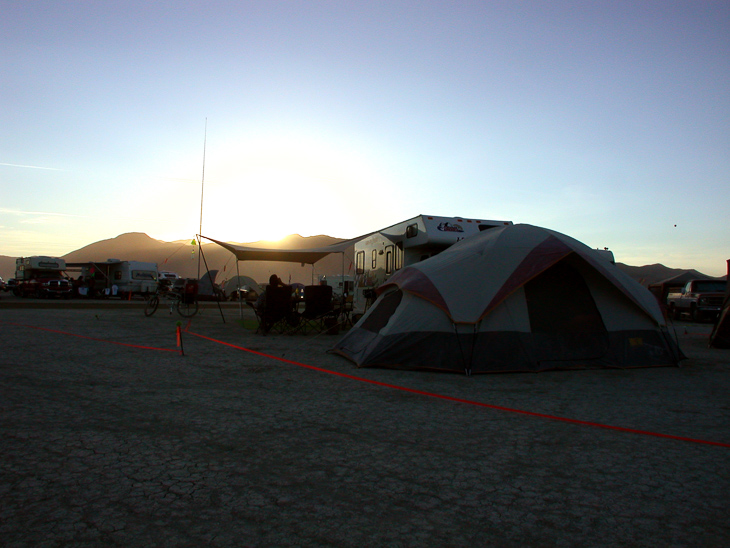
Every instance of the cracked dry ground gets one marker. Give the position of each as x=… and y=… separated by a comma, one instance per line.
x=111, y=445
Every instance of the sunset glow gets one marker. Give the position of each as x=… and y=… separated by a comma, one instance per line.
x=340, y=118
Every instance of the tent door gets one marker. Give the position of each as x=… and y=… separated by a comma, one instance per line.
x=564, y=319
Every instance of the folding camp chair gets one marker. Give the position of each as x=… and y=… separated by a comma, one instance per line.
x=278, y=312
x=342, y=310
x=317, y=308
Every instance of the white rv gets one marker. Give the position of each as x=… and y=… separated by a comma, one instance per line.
x=338, y=287
x=134, y=277
x=121, y=278
x=381, y=254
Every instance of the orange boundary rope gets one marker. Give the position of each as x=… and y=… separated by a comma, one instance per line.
x=470, y=402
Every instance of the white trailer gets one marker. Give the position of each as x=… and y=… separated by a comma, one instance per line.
x=120, y=278
x=385, y=252
x=339, y=287
x=134, y=277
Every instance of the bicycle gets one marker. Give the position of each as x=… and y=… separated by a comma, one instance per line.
x=185, y=301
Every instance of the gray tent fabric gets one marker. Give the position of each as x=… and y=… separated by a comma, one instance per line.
x=207, y=282
x=518, y=298
x=242, y=281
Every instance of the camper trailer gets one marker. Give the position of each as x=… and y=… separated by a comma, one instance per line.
x=41, y=276
x=338, y=287
x=134, y=277
x=381, y=254
x=120, y=278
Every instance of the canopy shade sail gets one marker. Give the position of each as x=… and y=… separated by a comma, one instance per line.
x=303, y=256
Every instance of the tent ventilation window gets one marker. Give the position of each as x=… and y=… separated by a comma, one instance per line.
x=379, y=316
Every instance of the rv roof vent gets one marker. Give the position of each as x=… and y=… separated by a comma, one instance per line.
x=113, y=261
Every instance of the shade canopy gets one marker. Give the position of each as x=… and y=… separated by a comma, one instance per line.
x=302, y=256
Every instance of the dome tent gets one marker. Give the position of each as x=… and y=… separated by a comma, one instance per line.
x=238, y=282
x=517, y=298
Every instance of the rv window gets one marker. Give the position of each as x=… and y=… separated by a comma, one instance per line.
x=411, y=231
x=375, y=259
x=118, y=275
x=389, y=259
x=360, y=262
x=399, y=255
x=482, y=228
x=143, y=275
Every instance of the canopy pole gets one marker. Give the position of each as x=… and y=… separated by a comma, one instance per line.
x=202, y=189
x=238, y=285
x=212, y=285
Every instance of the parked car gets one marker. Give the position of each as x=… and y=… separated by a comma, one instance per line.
x=9, y=285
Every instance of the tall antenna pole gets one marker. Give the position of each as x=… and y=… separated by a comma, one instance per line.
x=202, y=190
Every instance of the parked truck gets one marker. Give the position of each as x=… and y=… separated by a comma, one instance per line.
x=41, y=276
x=698, y=299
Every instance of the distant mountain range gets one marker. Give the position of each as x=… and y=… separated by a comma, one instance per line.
x=181, y=257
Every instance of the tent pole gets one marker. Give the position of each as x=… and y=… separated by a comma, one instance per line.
x=238, y=284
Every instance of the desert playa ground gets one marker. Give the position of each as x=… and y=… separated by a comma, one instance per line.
x=111, y=437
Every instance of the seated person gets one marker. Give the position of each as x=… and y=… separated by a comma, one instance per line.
x=261, y=301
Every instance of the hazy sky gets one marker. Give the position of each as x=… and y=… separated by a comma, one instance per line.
x=607, y=121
